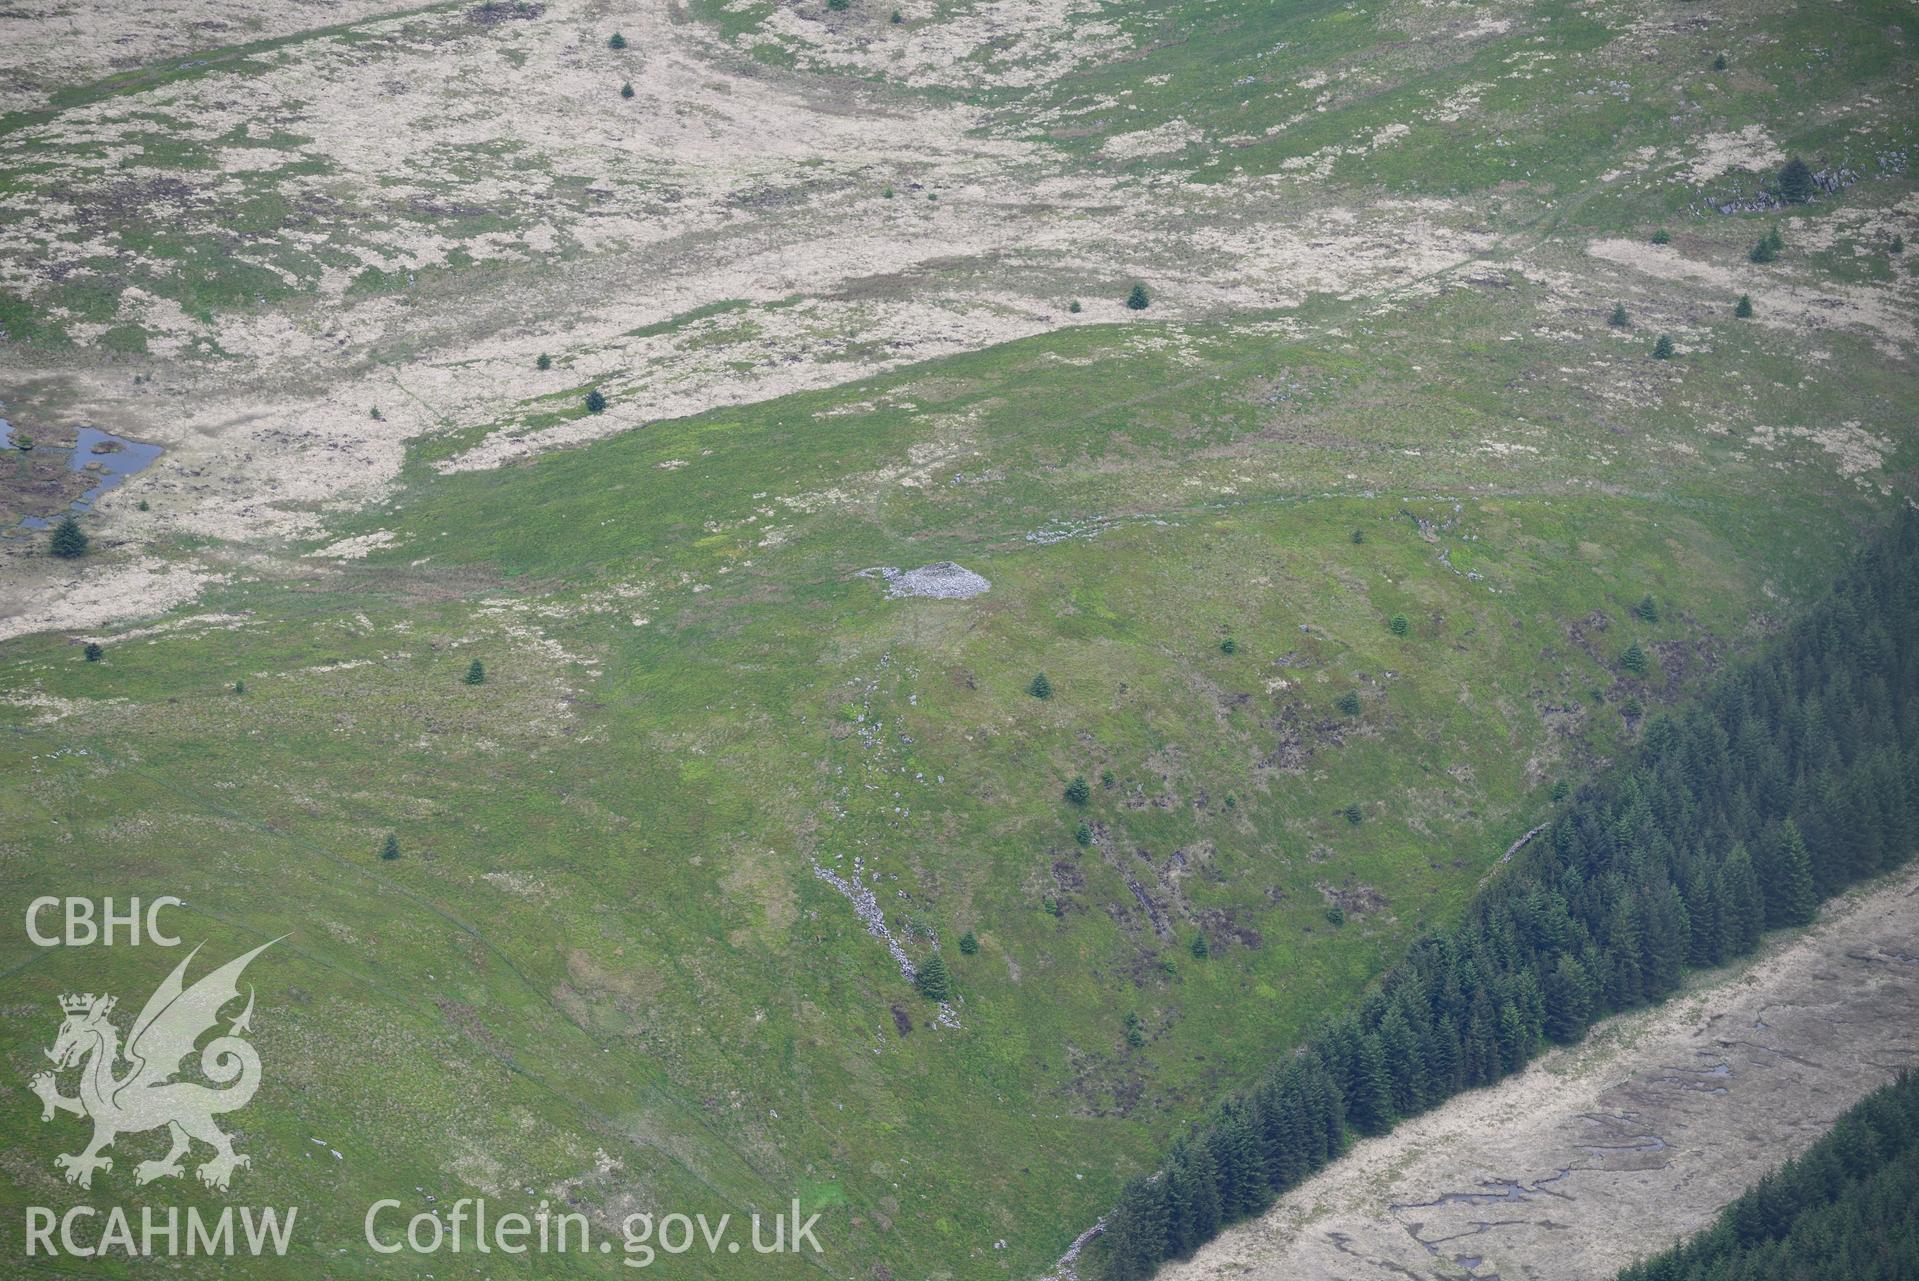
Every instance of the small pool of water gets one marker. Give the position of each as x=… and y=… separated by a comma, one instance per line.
x=118, y=457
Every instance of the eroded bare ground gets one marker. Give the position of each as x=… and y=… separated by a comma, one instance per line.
x=55, y=43
x=1615, y=1148
x=403, y=207
x=816, y=229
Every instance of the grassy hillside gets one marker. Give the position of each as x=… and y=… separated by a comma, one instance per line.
x=604, y=933
x=606, y=967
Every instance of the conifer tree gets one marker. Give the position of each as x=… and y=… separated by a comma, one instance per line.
x=1482, y=1043
x=1530, y=997
x=1626, y=943
x=1137, y=300
x=1369, y=1103
x=1795, y=181
x=1792, y=885
x=69, y=540
x=933, y=982
x=1569, y=1000
x=1707, y=943
x=1326, y=1111
x=1135, y=1237
x=1743, y=308
x=1668, y=936
x=1405, y=1065
x=1193, y=1203
x=1242, y=1182
x=1445, y=1060
x=1743, y=902
x=1513, y=1044
x=1041, y=687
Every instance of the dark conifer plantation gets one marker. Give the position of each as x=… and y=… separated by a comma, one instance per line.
x=1797, y=775
x=1848, y=1207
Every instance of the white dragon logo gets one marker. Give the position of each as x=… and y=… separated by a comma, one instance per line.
x=145, y=1096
